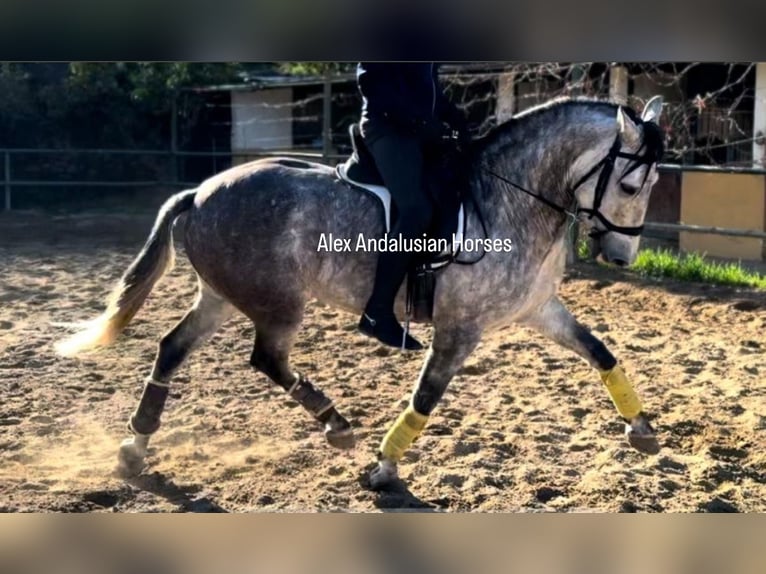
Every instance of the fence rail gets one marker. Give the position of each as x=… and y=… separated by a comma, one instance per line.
x=324, y=156
x=705, y=229
x=9, y=182
x=675, y=168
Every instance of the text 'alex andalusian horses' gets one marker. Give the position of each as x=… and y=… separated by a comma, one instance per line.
x=251, y=234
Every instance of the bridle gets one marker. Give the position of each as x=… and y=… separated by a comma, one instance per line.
x=607, y=167
x=604, y=168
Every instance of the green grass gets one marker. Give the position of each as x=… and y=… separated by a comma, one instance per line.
x=694, y=267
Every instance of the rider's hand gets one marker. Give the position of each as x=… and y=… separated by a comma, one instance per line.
x=463, y=137
x=431, y=130
x=459, y=124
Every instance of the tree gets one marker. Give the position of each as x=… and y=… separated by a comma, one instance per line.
x=316, y=68
x=86, y=104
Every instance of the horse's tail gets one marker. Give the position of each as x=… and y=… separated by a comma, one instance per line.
x=155, y=259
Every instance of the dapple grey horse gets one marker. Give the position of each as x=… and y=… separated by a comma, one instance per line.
x=252, y=235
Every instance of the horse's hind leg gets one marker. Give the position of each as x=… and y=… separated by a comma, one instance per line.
x=556, y=322
x=201, y=321
x=273, y=340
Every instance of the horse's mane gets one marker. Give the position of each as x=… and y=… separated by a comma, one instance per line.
x=564, y=102
x=653, y=138
x=554, y=105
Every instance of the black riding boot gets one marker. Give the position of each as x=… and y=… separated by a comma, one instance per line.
x=400, y=162
x=378, y=319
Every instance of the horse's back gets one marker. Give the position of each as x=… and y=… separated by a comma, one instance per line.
x=256, y=228
x=262, y=174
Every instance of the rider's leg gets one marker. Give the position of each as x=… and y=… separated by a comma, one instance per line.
x=400, y=162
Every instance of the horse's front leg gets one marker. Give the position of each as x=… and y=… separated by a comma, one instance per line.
x=450, y=347
x=556, y=322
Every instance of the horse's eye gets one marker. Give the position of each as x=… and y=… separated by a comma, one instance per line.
x=629, y=189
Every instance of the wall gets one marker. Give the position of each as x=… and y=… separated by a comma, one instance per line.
x=734, y=201
x=759, y=116
x=665, y=203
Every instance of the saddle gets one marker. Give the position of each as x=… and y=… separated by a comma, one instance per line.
x=360, y=172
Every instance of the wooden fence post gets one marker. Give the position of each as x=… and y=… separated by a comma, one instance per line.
x=506, y=104
x=327, y=119
x=618, y=84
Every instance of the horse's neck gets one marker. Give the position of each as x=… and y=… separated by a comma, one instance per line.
x=538, y=156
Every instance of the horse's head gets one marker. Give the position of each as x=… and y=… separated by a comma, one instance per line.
x=615, y=192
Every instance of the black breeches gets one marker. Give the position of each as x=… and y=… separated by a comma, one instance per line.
x=400, y=161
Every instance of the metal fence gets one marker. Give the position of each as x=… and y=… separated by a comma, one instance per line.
x=12, y=184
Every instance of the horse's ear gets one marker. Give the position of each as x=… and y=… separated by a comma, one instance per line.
x=652, y=110
x=628, y=130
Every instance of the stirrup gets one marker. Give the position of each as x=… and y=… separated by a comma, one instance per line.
x=406, y=332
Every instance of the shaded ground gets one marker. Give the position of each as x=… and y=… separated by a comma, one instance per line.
x=525, y=426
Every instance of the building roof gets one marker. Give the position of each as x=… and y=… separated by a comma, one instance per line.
x=265, y=81
x=252, y=82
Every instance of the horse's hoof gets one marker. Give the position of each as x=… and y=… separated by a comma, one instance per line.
x=127, y=470
x=343, y=439
x=384, y=475
x=130, y=459
x=641, y=436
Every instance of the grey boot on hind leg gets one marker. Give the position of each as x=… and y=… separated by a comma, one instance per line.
x=273, y=341
x=199, y=323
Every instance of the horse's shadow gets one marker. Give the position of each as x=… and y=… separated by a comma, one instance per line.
x=182, y=496
x=395, y=497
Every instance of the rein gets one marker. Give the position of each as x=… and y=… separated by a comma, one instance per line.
x=606, y=165
x=654, y=149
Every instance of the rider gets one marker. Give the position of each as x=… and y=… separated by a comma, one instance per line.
x=403, y=114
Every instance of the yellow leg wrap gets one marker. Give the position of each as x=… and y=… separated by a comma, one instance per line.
x=402, y=434
x=621, y=391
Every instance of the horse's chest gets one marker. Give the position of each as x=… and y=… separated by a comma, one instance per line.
x=543, y=283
